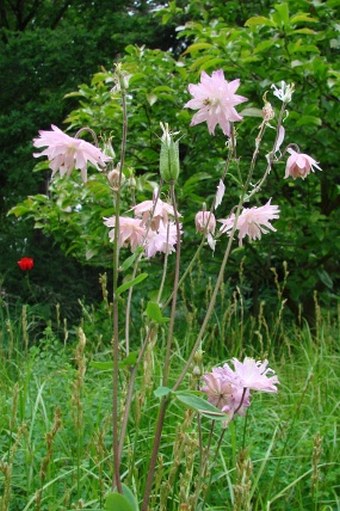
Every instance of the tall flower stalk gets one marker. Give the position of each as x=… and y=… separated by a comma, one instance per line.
x=116, y=482
x=166, y=366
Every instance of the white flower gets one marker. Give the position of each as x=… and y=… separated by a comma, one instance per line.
x=285, y=93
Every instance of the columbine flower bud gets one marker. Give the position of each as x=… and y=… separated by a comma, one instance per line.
x=169, y=156
x=113, y=177
x=196, y=371
x=267, y=111
x=198, y=356
x=122, y=78
x=109, y=150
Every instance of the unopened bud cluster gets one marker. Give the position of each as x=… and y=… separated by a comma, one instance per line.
x=169, y=155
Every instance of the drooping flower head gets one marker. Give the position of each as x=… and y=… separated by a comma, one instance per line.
x=26, y=263
x=299, y=165
x=156, y=210
x=66, y=153
x=215, y=99
x=131, y=231
x=252, y=222
x=205, y=221
x=163, y=240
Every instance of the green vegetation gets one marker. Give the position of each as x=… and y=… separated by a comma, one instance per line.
x=103, y=354
x=56, y=414
x=291, y=41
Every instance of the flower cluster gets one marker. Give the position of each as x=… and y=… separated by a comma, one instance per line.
x=152, y=227
x=215, y=99
x=66, y=153
x=229, y=389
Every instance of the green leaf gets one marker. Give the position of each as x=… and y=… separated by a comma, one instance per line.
x=19, y=210
x=199, y=62
x=201, y=405
x=152, y=98
x=154, y=312
x=305, y=17
x=130, y=260
x=304, y=31
x=308, y=120
x=102, y=366
x=212, y=63
x=264, y=45
x=302, y=48
x=196, y=47
x=163, y=88
x=42, y=165
x=128, y=361
x=118, y=502
x=130, y=497
x=283, y=11
x=130, y=283
x=252, y=112
x=325, y=278
x=259, y=20
x=162, y=391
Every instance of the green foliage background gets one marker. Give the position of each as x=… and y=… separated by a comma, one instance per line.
x=260, y=43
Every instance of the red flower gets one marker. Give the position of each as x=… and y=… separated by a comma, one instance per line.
x=26, y=263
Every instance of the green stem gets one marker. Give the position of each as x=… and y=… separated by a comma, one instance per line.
x=115, y=341
x=203, y=466
x=259, y=184
x=131, y=385
x=227, y=251
x=198, y=251
x=219, y=443
x=165, y=268
x=166, y=368
x=89, y=130
x=129, y=300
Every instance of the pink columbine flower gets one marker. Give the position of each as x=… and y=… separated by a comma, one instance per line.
x=300, y=165
x=163, y=240
x=252, y=222
x=205, y=221
x=66, y=153
x=255, y=375
x=131, y=231
x=225, y=392
x=214, y=98
x=159, y=210
x=229, y=389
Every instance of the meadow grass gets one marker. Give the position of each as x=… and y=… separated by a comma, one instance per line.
x=55, y=422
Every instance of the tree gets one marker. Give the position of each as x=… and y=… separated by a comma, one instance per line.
x=48, y=48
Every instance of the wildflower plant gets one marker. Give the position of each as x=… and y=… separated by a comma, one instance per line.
x=154, y=229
